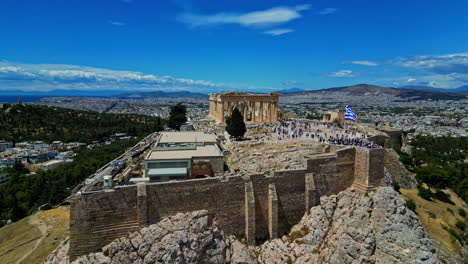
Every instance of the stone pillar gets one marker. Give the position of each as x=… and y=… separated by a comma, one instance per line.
x=142, y=205
x=253, y=111
x=273, y=119
x=245, y=113
x=272, y=211
x=270, y=112
x=221, y=113
x=249, y=213
x=368, y=169
x=312, y=197
x=261, y=112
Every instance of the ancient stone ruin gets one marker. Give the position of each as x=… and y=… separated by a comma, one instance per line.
x=255, y=108
x=255, y=207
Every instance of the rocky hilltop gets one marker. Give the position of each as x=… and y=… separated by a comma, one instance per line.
x=345, y=228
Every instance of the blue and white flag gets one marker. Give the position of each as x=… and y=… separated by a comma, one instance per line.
x=349, y=114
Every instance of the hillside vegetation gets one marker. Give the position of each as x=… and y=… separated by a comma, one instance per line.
x=440, y=163
x=438, y=217
x=35, y=122
x=24, y=193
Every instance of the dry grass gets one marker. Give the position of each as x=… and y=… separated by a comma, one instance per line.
x=57, y=221
x=433, y=226
x=17, y=236
x=296, y=235
x=16, y=239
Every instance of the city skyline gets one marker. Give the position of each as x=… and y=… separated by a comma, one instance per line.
x=203, y=46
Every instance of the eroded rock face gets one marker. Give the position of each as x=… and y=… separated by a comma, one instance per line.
x=351, y=228
x=345, y=228
x=60, y=254
x=397, y=171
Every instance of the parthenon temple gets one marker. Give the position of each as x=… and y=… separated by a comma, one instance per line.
x=255, y=108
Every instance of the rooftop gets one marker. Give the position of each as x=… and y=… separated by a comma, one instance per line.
x=200, y=151
x=167, y=171
x=187, y=137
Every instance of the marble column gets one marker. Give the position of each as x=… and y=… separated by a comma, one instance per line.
x=245, y=112
x=221, y=113
x=262, y=112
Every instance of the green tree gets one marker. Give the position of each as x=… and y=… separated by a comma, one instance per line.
x=433, y=176
x=177, y=116
x=235, y=125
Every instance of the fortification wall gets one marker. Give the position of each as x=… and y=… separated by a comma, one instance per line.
x=255, y=206
x=223, y=198
x=98, y=218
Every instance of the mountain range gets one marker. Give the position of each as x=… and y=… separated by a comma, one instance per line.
x=367, y=89
x=461, y=89
x=415, y=92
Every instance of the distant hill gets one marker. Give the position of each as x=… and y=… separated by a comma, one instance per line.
x=161, y=94
x=37, y=122
x=101, y=93
x=290, y=90
x=51, y=93
x=419, y=87
x=374, y=90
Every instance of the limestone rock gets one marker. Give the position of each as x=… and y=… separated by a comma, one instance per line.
x=352, y=228
x=183, y=238
x=60, y=254
x=397, y=171
x=345, y=228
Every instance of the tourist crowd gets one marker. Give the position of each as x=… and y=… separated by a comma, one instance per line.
x=348, y=134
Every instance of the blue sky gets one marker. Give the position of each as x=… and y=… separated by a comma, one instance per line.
x=208, y=46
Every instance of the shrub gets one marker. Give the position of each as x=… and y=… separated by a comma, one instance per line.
x=461, y=225
x=462, y=212
x=431, y=214
x=298, y=234
x=450, y=211
x=424, y=193
x=443, y=197
x=411, y=205
x=454, y=234
x=396, y=186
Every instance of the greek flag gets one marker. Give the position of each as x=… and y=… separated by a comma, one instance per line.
x=349, y=114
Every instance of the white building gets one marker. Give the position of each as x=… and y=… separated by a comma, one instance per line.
x=175, y=154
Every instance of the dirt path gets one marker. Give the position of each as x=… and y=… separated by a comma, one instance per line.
x=35, y=221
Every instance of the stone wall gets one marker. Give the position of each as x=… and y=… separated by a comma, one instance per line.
x=217, y=164
x=257, y=207
x=98, y=218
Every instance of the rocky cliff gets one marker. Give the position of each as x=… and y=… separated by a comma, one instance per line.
x=345, y=228
x=397, y=171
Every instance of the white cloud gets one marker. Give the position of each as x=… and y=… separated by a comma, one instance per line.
x=117, y=23
x=278, y=31
x=365, y=63
x=343, y=73
x=62, y=76
x=444, y=81
x=327, y=11
x=443, y=64
x=273, y=16
x=291, y=83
